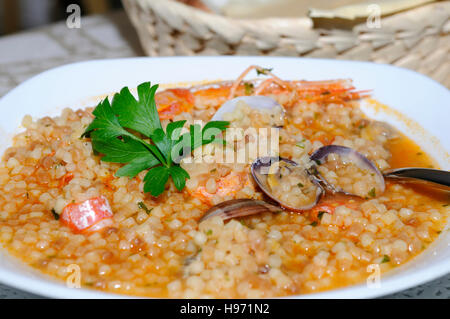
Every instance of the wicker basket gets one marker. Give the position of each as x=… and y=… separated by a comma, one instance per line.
x=417, y=38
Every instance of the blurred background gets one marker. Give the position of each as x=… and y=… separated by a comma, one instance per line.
x=18, y=15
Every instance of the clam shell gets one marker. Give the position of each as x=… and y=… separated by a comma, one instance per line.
x=240, y=208
x=260, y=169
x=360, y=160
x=255, y=102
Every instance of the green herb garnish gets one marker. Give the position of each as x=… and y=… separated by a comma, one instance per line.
x=249, y=87
x=320, y=214
x=55, y=214
x=372, y=193
x=263, y=71
x=314, y=224
x=300, y=185
x=385, y=259
x=129, y=131
x=209, y=232
x=141, y=205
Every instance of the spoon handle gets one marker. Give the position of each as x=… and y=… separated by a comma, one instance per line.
x=427, y=174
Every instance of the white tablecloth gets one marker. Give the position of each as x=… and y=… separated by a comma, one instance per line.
x=111, y=36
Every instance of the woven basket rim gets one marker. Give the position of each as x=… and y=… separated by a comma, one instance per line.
x=284, y=19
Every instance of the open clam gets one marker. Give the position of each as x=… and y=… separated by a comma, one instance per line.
x=342, y=169
x=287, y=183
x=261, y=103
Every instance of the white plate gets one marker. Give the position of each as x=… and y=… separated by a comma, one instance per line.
x=421, y=99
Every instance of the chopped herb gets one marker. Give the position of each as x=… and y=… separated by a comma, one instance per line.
x=372, y=193
x=314, y=224
x=213, y=170
x=361, y=126
x=263, y=71
x=55, y=214
x=209, y=232
x=320, y=215
x=114, y=133
x=300, y=185
x=313, y=170
x=249, y=87
x=300, y=145
x=141, y=205
x=385, y=259
x=318, y=162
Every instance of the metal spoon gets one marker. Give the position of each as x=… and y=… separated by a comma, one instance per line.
x=435, y=176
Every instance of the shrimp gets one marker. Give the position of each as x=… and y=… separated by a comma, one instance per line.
x=172, y=102
x=225, y=187
x=338, y=91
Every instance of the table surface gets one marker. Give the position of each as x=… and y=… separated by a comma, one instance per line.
x=26, y=54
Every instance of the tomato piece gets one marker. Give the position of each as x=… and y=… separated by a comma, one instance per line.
x=88, y=216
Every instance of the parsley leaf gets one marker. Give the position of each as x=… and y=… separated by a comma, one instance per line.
x=137, y=165
x=105, y=123
x=129, y=131
x=141, y=116
x=179, y=177
x=155, y=180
